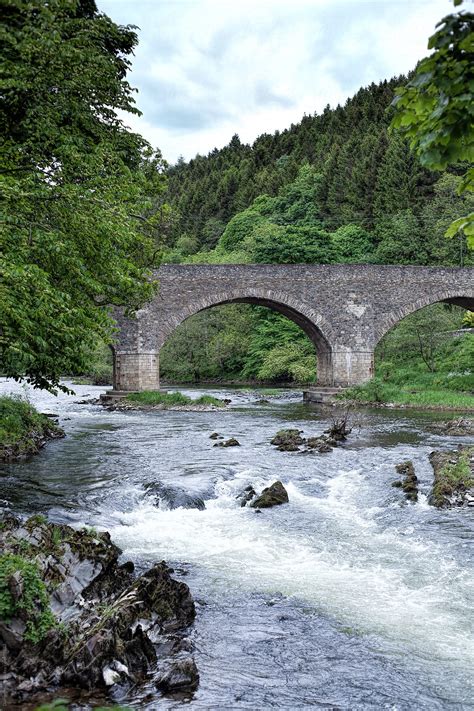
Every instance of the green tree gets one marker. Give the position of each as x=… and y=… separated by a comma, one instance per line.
x=77, y=187
x=435, y=110
x=401, y=240
x=352, y=244
x=436, y=216
x=211, y=344
x=417, y=338
x=275, y=244
x=278, y=349
x=239, y=228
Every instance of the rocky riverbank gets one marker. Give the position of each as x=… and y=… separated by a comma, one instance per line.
x=453, y=478
x=24, y=431
x=72, y=615
x=461, y=427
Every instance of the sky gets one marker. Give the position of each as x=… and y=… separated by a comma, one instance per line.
x=207, y=69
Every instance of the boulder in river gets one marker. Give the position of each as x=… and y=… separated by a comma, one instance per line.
x=173, y=497
x=273, y=495
x=232, y=442
x=409, y=483
x=74, y=617
x=321, y=444
x=216, y=435
x=288, y=440
x=453, y=478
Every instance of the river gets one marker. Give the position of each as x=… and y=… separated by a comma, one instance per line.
x=346, y=598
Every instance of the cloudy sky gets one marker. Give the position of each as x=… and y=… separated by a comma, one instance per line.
x=206, y=69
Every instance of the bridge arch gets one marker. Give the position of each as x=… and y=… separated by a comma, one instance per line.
x=456, y=297
x=316, y=327
x=344, y=308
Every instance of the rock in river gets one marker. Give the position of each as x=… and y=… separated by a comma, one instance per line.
x=409, y=483
x=232, y=442
x=273, y=495
x=173, y=497
x=75, y=617
x=288, y=440
x=247, y=495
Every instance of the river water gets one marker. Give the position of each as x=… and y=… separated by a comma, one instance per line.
x=346, y=598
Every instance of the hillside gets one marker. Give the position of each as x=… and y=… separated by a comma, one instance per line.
x=337, y=187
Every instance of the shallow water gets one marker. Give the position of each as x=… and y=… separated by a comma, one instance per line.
x=347, y=598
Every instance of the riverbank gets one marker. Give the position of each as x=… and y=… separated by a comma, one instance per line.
x=377, y=393
x=24, y=430
x=74, y=616
x=453, y=483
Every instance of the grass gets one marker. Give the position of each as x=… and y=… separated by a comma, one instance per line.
x=157, y=397
x=407, y=387
x=21, y=425
x=453, y=476
x=208, y=400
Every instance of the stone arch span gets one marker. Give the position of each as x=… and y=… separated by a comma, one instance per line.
x=316, y=327
x=344, y=308
x=456, y=297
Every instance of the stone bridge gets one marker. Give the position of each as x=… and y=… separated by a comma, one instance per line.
x=344, y=309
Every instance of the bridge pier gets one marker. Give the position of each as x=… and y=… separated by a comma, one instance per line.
x=136, y=371
x=350, y=367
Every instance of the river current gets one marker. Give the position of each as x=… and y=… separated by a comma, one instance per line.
x=346, y=598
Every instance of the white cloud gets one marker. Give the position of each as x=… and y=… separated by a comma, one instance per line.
x=207, y=69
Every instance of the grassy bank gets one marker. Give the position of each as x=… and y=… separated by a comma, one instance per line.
x=23, y=430
x=413, y=393
x=151, y=398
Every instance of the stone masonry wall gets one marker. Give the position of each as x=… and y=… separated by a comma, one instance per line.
x=344, y=309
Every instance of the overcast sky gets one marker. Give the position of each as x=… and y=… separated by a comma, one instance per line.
x=206, y=69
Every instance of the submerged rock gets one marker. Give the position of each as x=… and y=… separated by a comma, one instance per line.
x=174, y=497
x=273, y=495
x=75, y=617
x=232, y=442
x=247, y=495
x=216, y=435
x=453, y=478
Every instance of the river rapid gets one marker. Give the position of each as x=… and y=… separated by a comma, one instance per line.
x=346, y=598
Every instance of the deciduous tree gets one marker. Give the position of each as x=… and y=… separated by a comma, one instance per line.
x=76, y=186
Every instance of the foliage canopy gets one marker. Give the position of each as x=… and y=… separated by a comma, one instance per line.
x=435, y=110
x=76, y=186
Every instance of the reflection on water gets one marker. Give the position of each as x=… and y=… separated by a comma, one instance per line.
x=346, y=598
